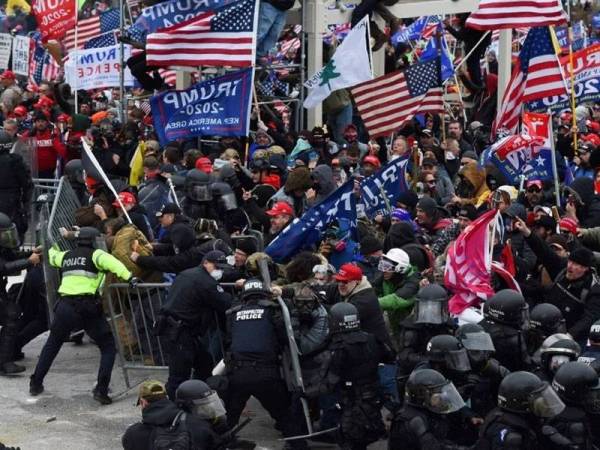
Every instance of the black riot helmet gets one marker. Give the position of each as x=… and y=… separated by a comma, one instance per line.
x=507, y=307
x=547, y=319
x=254, y=287
x=344, y=317
x=196, y=397
x=74, y=172
x=577, y=384
x=9, y=236
x=445, y=351
x=224, y=195
x=558, y=353
x=228, y=175
x=431, y=306
x=86, y=236
x=594, y=335
x=197, y=186
x=6, y=142
x=474, y=338
x=429, y=389
x=524, y=393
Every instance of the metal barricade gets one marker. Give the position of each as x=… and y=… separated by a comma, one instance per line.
x=133, y=313
x=62, y=213
x=44, y=193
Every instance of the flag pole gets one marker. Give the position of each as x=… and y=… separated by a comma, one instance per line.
x=121, y=63
x=369, y=45
x=572, y=76
x=462, y=61
x=553, y=156
x=75, y=82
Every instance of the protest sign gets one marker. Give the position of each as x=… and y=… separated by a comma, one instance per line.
x=20, y=55
x=217, y=107
x=5, y=49
x=97, y=68
x=55, y=17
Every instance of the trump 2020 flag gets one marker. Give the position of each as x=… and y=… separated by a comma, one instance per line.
x=216, y=107
x=390, y=181
x=431, y=52
x=469, y=265
x=306, y=231
x=348, y=66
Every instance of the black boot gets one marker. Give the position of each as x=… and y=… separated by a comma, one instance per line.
x=35, y=388
x=10, y=368
x=102, y=397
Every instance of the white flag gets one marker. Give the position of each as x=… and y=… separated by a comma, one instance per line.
x=348, y=66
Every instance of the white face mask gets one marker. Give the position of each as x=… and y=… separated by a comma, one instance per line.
x=217, y=274
x=231, y=260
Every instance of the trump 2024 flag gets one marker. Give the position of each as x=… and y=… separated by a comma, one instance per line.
x=348, y=66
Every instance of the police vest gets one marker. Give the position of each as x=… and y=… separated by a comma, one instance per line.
x=79, y=262
x=253, y=334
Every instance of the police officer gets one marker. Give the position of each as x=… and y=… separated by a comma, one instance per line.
x=12, y=262
x=545, y=319
x=523, y=400
x=355, y=356
x=187, y=319
x=505, y=318
x=555, y=354
x=577, y=386
x=256, y=336
x=16, y=185
x=591, y=352
x=422, y=422
x=429, y=318
x=83, y=272
x=198, y=196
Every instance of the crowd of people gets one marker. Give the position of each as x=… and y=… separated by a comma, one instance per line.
x=383, y=351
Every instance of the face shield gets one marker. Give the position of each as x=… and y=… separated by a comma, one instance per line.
x=556, y=361
x=431, y=312
x=458, y=360
x=444, y=399
x=228, y=201
x=525, y=318
x=9, y=237
x=199, y=192
x=209, y=408
x=546, y=403
x=478, y=341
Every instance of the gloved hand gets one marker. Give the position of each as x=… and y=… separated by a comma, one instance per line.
x=133, y=282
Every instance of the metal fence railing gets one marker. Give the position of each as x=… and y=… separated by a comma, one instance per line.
x=44, y=193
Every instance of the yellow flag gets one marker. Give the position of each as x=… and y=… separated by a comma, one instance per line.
x=137, y=170
x=12, y=4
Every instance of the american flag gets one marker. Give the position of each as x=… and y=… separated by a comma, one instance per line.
x=537, y=74
x=104, y=40
x=499, y=14
x=221, y=38
x=42, y=65
x=385, y=103
x=430, y=28
x=91, y=28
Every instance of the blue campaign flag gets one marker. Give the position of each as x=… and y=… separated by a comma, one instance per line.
x=431, y=52
x=410, y=33
x=531, y=164
x=217, y=107
x=306, y=231
x=391, y=180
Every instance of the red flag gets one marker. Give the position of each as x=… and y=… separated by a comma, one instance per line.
x=499, y=14
x=508, y=260
x=55, y=17
x=468, y=265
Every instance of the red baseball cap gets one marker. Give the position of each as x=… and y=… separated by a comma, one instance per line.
x=537, y=183
x=568, y=224
x=349, y=272
x=592, y=139
x=127, y=198
x=8, y=74
x=204, y=165
x=373, y=160
x=281, y=208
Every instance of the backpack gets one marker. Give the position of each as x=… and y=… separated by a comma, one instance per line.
x=173, y=437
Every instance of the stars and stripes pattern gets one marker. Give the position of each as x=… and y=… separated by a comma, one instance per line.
x=104, y=40
x=92, y=28
x=387, y=102
x=500, y=14
x=224, y=37
x=537, y=74
x=42, y=65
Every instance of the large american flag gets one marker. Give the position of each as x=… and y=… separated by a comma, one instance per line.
x=498, y=14
x=42, y=65
x=224, y=37
x=537, y=74
x=92, y=28
x=385, y=103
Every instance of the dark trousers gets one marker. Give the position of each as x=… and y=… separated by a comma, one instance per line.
x=9, y=319
x=139, y=69
x=73, y=314
x=187, y=359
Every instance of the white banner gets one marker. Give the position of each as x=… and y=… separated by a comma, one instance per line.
x=5, y=49
x=97, y=68
x=20, y=55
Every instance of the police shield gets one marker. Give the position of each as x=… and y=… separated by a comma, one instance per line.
x=26, y=147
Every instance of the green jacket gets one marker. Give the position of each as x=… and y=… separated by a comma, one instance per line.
x=87, y=277
x=398, y=300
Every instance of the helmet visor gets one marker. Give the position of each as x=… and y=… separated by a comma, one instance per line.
x=478, y=341
x=385, y=265
x=458, y=360
x=546, y=403
x=200, y=193
x=209, y=408
x=445, y=399
x=9, y=237
x=432, y=312
x=229, y=201
x=592, y=400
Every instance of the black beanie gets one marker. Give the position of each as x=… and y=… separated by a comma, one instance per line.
x=428, y=205
x=582, y=256
x=248, y=246
x=408, y=198
x=370, y=244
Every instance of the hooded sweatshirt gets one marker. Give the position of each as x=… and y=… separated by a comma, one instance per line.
x=476, y=176
x=323, y=176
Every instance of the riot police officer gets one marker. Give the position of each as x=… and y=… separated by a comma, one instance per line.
x=75, y=175
x=545, y=319
x=83, y=272
x=422, y=422
x=591, y=352
x=577, y=386
x=187, y=320
x=429, y=318
x=555, y=354
x=523, y=399
x=352, y=369
x=255, y=339
x=198, y=196
x=12, y=262
x=505, y=318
